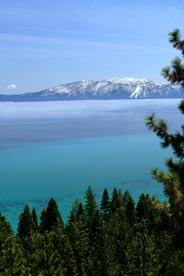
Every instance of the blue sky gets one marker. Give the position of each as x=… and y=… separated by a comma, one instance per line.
x=49, y=42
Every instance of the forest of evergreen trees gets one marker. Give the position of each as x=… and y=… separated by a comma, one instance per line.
x=116, y=238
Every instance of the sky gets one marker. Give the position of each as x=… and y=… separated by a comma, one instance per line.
x=46, y=43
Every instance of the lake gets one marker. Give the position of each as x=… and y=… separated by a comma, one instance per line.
x=58, y=149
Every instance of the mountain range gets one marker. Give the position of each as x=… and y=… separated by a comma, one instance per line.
x=117, y=88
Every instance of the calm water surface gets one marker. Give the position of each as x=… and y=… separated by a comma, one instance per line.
x=60, y=148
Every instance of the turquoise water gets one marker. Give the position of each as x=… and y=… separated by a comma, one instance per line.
x=59, y=149
x=33, y=173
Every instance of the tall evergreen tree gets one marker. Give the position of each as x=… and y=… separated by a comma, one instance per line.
x=12, y=260
x=81, y=214
x=63, y=246
x=105, y=204
x=78, y=234
x=98, y=260
x=142, y=208
x=46, y=260
x=35, y=220
x=129, y=208
x=26, y=224
x=142, y=254
x=118, y=233
x=74, y=211
x=51, y=217
x=117, y=200
x=173, y=180
x=90, y=204
x=5, y=228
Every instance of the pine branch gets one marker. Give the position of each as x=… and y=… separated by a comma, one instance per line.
x=175, y=72
x=160, y=176
x=175, y=39
x=159, y=126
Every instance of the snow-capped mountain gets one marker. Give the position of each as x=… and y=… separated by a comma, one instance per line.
x=118, y=88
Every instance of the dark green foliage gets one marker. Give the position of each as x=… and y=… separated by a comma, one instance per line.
x=26, y=223
x=63, y=247
x=130, y=210
x=35, y=220
x=43, y=220
x=79, y=238
x=78, y=232
x=134, y=240
x=142, y=208
x=12, y=260
x=45, y=258
x=51, y=217
x=5, y=227
x=175, y=72
x=117, y=200
x=98, y=263
x=142, y=254
x=147, y=209
x=74, y=211
x=90, y=204
x=105, y=204
x=81, y=214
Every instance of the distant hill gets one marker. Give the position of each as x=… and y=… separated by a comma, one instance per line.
x=118, y=88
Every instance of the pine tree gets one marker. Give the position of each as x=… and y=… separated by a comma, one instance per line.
x=117, y=237
x=173, y=180
x=74, y=211
x=81, y=214
x=51, y=218
x=5, y=228
x=26, y=224
x=105, y=204
x=98, y=262
x=78, y=232
x=46, y=259
x=12, y=260
x=63, y=247
x=35, y=220
x=142, y=208
x=142, y=254
x=117, y=200
x=129, y=208
x=91, y=204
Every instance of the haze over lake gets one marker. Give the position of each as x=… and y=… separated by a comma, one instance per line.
x=60, y=148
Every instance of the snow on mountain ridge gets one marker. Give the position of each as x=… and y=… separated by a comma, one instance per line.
x=133, y=88
x=117, y=88
x=128, y=80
